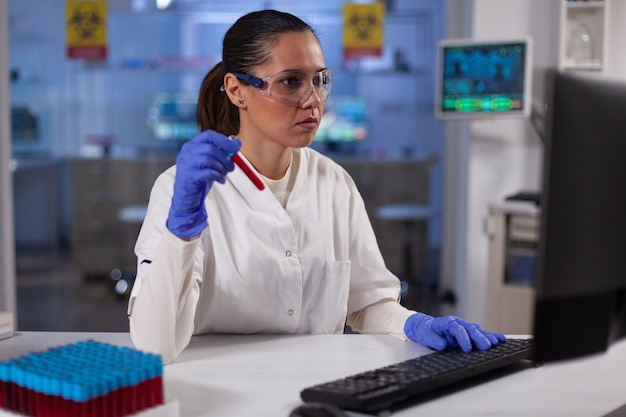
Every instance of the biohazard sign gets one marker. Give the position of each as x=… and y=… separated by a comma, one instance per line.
x=363, y=29
x=86, y=29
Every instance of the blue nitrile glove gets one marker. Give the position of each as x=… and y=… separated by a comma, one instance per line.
x=200, y=162
x=449, y=332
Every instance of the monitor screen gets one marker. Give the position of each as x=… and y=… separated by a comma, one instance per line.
x=580, y=305
x=172, y=116
x=481, y=79
x=346, y=119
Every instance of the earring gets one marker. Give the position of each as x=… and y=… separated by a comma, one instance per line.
x=239, y=103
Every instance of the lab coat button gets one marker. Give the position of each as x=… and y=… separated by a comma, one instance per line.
x=290, y=312
x=288, y=253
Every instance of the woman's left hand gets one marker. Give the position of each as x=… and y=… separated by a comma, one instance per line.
x=449, y=332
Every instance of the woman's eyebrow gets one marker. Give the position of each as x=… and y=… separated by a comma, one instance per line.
x=301, y=71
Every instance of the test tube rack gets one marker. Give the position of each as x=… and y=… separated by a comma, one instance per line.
x=84, y=379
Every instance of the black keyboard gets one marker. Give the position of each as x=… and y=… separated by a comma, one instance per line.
x=528, y=196
x=383, y=388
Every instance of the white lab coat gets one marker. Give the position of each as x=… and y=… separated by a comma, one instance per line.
x=259, y=267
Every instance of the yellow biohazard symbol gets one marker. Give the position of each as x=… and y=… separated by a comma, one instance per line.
x=86, y=23
x=363, y=25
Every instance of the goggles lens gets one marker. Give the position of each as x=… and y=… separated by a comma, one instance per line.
x=292, y=88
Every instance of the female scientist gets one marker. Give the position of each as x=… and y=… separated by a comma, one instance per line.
x=217, y=254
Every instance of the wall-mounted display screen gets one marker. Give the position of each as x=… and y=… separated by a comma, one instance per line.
x=481, y=79
x=172, y=116
x=346, y=119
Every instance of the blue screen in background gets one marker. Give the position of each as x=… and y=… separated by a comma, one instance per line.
x=483, y=78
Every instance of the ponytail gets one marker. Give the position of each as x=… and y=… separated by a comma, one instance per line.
x=214, y=110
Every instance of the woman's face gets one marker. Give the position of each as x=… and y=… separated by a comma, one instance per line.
x=266, y=121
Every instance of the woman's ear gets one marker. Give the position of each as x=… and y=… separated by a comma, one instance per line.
x=233, y=87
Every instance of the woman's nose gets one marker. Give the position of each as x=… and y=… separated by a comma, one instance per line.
x=312, y=94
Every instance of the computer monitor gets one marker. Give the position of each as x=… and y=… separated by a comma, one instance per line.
x=580, y=305
x=172, y=116
x=483, y=79
x=345, y=125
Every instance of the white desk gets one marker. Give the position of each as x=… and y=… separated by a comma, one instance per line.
x=262, y=375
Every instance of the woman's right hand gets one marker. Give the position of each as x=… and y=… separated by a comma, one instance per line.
x=201, y=161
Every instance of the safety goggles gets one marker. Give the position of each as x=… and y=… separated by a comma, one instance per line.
x=291, y=87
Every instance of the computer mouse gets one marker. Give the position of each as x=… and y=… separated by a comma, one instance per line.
x=314, y=409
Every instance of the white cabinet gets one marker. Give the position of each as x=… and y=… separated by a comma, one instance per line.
x=583, y=34
x=6, y=319
x=513, y=232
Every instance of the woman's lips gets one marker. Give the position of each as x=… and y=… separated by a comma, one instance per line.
x=310, y=123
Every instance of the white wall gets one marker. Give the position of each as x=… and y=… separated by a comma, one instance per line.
x=7, y=250
x=487, y=160
x=453, y=276
x=616, y=42
x=505, y=156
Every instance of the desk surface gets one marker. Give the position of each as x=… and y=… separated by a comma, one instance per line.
x=262, y=375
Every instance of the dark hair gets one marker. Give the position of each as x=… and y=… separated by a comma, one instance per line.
x=247, y=43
